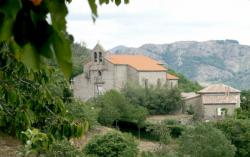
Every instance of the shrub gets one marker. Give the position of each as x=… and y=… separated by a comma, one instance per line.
x=161, y=132
x=162, y=152
x=63, y=148
x=112, y=144
x=36, y=142
x=81, y=112
x=205, y=141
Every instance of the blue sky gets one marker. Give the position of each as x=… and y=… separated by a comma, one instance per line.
x=160, y=21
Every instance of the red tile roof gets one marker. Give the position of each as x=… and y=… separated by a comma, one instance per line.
x=172, y=77
x=138, y=62
x=219, y=88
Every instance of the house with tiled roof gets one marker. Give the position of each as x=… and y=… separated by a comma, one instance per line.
x=108, y=71
x=214, y=101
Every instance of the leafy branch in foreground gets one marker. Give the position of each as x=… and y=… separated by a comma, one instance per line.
x=34, y=99
x=24, y=26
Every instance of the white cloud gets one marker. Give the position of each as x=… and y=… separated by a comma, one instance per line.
x=160, y=21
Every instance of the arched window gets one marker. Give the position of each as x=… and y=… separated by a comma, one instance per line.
x=95, y=57
x=100, y=56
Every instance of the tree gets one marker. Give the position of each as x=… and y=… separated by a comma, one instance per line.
x=112, y=144
x=35, y=99
x=245, y=100
x=205, y=141
x=157, y=100
x=237, y=131
x=184, y=84
x=24, y=26
x=114, y=107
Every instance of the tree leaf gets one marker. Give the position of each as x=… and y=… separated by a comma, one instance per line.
x=58, y=12
x=93, y=8
x=63, y=53
x=117, y=2
x=30, y=57
x=8, y=12
x=126, y=1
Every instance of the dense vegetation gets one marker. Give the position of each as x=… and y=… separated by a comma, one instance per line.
x=112, y=144
x=157, y=100
x=205, y=141
x=115, y=107
x=185, y=84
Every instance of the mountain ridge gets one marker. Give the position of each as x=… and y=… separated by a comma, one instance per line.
x=213, y=61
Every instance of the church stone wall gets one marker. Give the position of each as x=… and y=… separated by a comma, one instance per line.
x=153, y=78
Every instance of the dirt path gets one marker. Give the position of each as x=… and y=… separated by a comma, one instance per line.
x=148, y=146
x=8, y=146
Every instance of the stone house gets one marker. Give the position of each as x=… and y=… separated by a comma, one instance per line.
x=108, y=71
x=214, y=101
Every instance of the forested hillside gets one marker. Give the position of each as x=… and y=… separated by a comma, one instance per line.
x=81, y=55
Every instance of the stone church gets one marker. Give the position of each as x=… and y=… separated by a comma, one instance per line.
x=108, y=71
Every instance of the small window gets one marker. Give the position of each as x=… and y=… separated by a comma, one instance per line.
x=95, y=57
x=99, y=73
x=100, y=56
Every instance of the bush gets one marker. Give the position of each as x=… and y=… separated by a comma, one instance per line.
x=63, y=148
x=36, y=143
x=160, y=100
x=162, y=152
x=81, y=112
x=161, y=132
x=205, y=141
x=112, y=144
x=238, y=132
x=115, y=107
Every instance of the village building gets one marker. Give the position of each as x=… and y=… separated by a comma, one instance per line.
x=213, y=102
x=108, y=71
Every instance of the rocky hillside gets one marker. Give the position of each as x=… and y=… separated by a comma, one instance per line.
x=207, y=62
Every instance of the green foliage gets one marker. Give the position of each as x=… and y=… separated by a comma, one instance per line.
x=62, y=148
x=34, y=99
x=36, y=143
x=184, y=84
x=205, y=141
x=93, y=5
x=242, y=114
x=156, y=100
x=190, y=110
x=112, y=144
x=160, y=131
x=82, y=112
x=24, y=26
x=245, y=100
x=80, y=56
x=114, y=107
x=170, y=128
x=161, y=152
x=238, y=131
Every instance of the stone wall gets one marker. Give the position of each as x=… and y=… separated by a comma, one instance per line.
x=152, y=78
